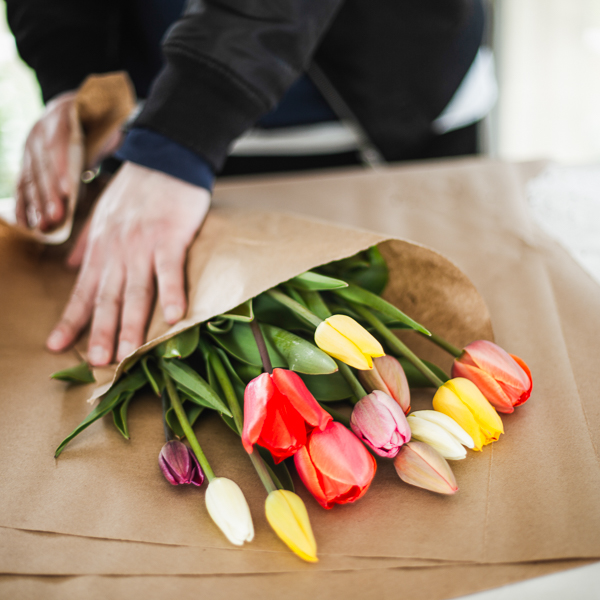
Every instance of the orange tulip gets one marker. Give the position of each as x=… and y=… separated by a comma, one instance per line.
x=504, y=379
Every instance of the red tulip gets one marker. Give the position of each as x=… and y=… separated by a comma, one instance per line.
x=504, y=379
x=334, y=466
x=279, y=413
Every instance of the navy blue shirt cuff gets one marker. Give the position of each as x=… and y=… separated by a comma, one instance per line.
x=155, y=151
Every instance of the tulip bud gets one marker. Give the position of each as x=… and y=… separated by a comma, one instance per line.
x=461, y=400
x=437, y=436
x=345, y=339
x=504, y=379
x=288, y=517
x=179, y=464
x=388, y=376
x=379, y=422
x=419, y=464
x=334, y=466
x=228, y=508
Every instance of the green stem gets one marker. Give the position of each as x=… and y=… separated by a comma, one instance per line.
x=187, y=428
x=262, y=471
x=165, y=407
x=227, y=387
x=238, y=416
x=397, y=345
x=302, y=312
x=338, y=416
x=262, y=346
x=357, y=389
x=442, y=343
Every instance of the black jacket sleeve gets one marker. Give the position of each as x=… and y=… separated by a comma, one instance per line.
x=66, y=40
x=227, y=63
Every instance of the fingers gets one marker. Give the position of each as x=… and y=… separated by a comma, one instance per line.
x=77, y=312
x=169, y=263
x=107, y=310
x=137, y=302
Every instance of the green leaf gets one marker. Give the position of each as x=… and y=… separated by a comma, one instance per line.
x=246, y=372
x=241, y=345
x=315, y=282
x=219, y=326
x=243, y=312
x=192, y=410
x=119, y=413
x=294, y=294
x=280, y=474
x=327, y=388
x=129, y=383
x=299, y=354
x=153, y=374
x=353, y=293
x=268, y=310
x=80, y=373
x=367, y=269
x=415, y=378
x=314, y=302
x=180, y=345
x=194, y=386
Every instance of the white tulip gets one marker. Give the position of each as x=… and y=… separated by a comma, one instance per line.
x=448, y=423
x=228, y=508
x=437, y=437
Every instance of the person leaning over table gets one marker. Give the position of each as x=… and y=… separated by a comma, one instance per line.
x=388, y=73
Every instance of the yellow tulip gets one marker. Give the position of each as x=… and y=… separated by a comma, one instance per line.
x=343, y=338
x=288, y=517
x=461, y=400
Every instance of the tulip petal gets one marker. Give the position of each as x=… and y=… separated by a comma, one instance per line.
x=310, y=476
x=355, y=332
x=437, y=437
x=525, y=395
x=293, y=388
x=449, y=424
x=393, y=374
x=334, y=343
x=284, y=430
x=485, y=415
x=489, y=387
x=288, y=517
x=419, y=464
x=229, y=510
x=494, y=360
x=256, y=396
x=447, y=402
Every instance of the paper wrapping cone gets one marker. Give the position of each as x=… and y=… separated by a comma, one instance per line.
x=240, y=254
x=103, y=103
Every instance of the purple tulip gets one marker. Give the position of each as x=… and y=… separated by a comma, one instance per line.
x=179, y=465
x=378, y=420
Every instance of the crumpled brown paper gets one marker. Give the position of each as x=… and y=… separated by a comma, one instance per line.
x=103, y=103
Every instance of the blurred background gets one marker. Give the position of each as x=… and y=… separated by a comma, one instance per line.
x=547, y=63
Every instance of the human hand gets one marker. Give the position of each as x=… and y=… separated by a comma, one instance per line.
x=44, y=184
x=141, y=228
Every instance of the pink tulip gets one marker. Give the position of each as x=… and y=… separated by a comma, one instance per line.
x=379, y=422
x=388, y=376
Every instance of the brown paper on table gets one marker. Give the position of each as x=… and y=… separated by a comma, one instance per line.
x=46, y=553
x=388, y=584
x=456, y=207
x=238, y=255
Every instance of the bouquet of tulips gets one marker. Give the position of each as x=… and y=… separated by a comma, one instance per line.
x=272, y=367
